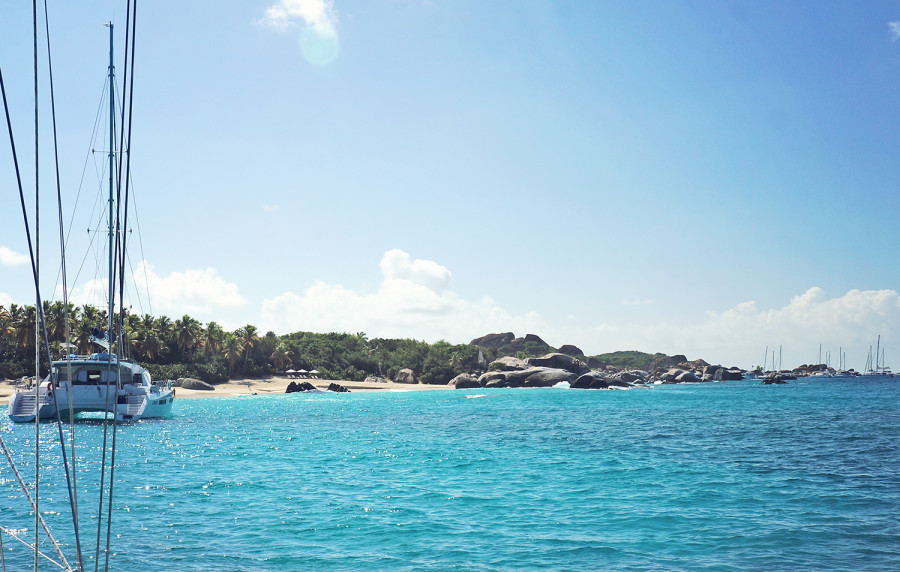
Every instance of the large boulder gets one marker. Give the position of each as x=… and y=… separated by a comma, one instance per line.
x=595, y=363
x=591, y=380
x=507, y=363
x=778, y=377
x=711, y=370
x=548, y=377
x=492, y=379
x=464, y=381
x=728, y=375
x=536, y=339
x=668, y=362
x=405, y=375
x=377, y=379
x=687, y=377
x=493, y=340
x=626, y=378
x=337, y=388
x=560, y=361
x=294, y=387
x=538, y=377
x=191, y=383
x=570, y=350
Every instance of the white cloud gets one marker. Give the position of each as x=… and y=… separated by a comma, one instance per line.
x=316, y=14
x=271, y=208
x=412, y=302
x=894, y=28
x=739, y=335
x=396, y=265
x=636, y=302
x=9, y=257
x=190, y=292
x=5, y=299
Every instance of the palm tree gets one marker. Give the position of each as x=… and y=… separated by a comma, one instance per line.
x=187, y=333
x=164, y=331
x=6, y=327
x=213, y=339
x=233, y=350
x=152, y=345
x=249, y=337
x=25, y=329
x=55, y=319
x=281, y=357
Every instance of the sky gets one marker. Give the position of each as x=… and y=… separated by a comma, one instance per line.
x=707, y=178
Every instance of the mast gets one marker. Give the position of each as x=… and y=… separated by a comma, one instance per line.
x=877, y=353
x=112, y=153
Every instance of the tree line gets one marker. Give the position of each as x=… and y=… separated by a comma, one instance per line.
x=185, y=347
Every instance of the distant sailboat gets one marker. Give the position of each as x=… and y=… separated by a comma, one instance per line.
x=875, y=364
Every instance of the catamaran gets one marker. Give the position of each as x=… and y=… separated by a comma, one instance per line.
x=100, y=382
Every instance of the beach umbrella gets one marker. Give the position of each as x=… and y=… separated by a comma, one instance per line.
x=314, y=371
x=301, y=371
x=291, y=371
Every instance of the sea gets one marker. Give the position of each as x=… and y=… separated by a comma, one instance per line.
x=713, y=476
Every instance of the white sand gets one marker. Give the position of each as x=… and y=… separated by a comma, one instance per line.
x=267, y=385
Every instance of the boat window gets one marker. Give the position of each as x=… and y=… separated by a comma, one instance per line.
x=92, y=377
x=62, y=373
x=137, y=379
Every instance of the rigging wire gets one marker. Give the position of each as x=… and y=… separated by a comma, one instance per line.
x=130, y=26
x=39, y=309
x=110, y=300
x=31, y=502
x=36, y=264
x=70, y=478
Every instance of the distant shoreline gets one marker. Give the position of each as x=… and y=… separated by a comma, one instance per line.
x=268, y=386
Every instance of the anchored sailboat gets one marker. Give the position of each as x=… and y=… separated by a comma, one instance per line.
x=103, y=381
x=875, y=364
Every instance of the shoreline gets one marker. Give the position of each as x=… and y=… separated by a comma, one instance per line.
x=267, y=386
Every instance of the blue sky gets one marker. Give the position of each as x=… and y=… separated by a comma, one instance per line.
x=707, y=178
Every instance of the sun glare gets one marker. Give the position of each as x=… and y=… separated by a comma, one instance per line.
x=318, y=48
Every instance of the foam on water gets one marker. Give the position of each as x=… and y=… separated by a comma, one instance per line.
x=711, y=476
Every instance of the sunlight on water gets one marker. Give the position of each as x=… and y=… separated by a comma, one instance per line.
x=718, y=476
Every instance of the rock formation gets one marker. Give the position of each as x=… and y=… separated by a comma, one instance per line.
x=406, y=375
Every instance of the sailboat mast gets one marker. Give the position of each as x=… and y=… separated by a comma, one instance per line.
x=877, y=352
x=112, y=139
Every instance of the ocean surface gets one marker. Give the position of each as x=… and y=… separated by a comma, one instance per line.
x=719, y=476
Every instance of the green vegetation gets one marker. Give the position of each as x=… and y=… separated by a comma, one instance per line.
x=186, y=348
x=630, y=359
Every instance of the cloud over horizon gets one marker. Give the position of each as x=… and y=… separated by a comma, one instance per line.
x=191, y=291
x=197, y=292
x=414, y=301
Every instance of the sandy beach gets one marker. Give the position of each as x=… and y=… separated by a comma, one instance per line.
x=263, y=386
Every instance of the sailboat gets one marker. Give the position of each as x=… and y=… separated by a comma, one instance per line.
x=875, y=364
x=100, y=382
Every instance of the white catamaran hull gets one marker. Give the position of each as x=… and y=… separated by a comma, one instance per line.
x=91, y=385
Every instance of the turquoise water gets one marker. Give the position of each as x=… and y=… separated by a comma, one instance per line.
x=697, y=477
